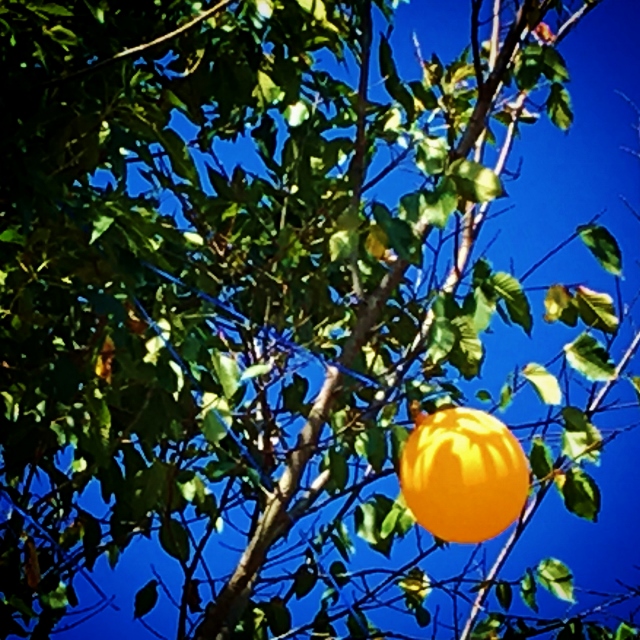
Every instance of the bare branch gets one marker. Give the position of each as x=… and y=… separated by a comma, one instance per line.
x=476, y=5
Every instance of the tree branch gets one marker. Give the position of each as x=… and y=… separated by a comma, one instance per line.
x=127, y=53
x=533, y=506
x=220, y=618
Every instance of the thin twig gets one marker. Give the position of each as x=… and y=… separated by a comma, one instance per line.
x=127, y=53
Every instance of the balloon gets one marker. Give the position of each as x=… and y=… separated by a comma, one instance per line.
x=463, y=475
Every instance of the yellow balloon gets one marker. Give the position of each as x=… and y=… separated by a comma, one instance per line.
x=463, y=475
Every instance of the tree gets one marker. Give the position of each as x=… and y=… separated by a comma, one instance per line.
x=172, y=360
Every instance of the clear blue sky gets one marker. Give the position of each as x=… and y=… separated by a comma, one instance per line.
x=565, y=180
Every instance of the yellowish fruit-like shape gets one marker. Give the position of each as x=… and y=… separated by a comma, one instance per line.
x=463, y=475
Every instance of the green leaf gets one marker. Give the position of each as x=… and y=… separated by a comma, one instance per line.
x=389, y=523
x=559, y=107
x=297, y=113
x=358, y=625
x=58, y=598
x=504, y=594
x=399, y=231
x=603, y=246
x=581, y=494
x=100, y=226
x=560, y=305
x=423, y=617
x=480, y=307
x=376, y=447
x=396, y=89
x=468, y=352
x=314, y=7
x=484, y=396
x=255, y=370
x=433, y=207
x=506, y=394
x=178, y=152
x=368, y=522
x=581, y=441
x=416, y=586
x=510, y=290
x=441, y=339
x=267, y=91
x=635, y=383
x=62, y=35
x=399, y=437
x=339, y=573
x=528, y=590
x=336, y=462
x=555, y=576
x=540, y=458
x=474, y=181
x=431, y=154
x=342, y=244
x=174, y=539
x=216, y=411
x=545, y=383
x=587, y=356
x=529, y=66
x=555, y=68
x=11, y=235
x=278, y=616
x=305, y=580
x=626, y=632
x=596, y=309
x=145, y=599
x=228, y=373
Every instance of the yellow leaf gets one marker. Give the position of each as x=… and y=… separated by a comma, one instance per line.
x=104, y=363
x=377, y=242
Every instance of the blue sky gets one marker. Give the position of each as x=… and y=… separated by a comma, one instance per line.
x=565, y=180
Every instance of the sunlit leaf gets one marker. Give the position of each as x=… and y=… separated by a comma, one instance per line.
x=596, y=309
x=510, y=290
x=342, y=244
x=555, y=576
x=227, y=371
x=296, y=114
x=256, y=370
x=468, y=352
x=626, y=632
x=58, y=598
x=377, y=242
x=545, y=383
x=100, y=226
x=528, y=590
x=560, y=305
x=441, y=339
x=416, y=585
x=431, y=154
x=587, y=356
x=474, y=181
x=216, y=411
x=581, y=440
